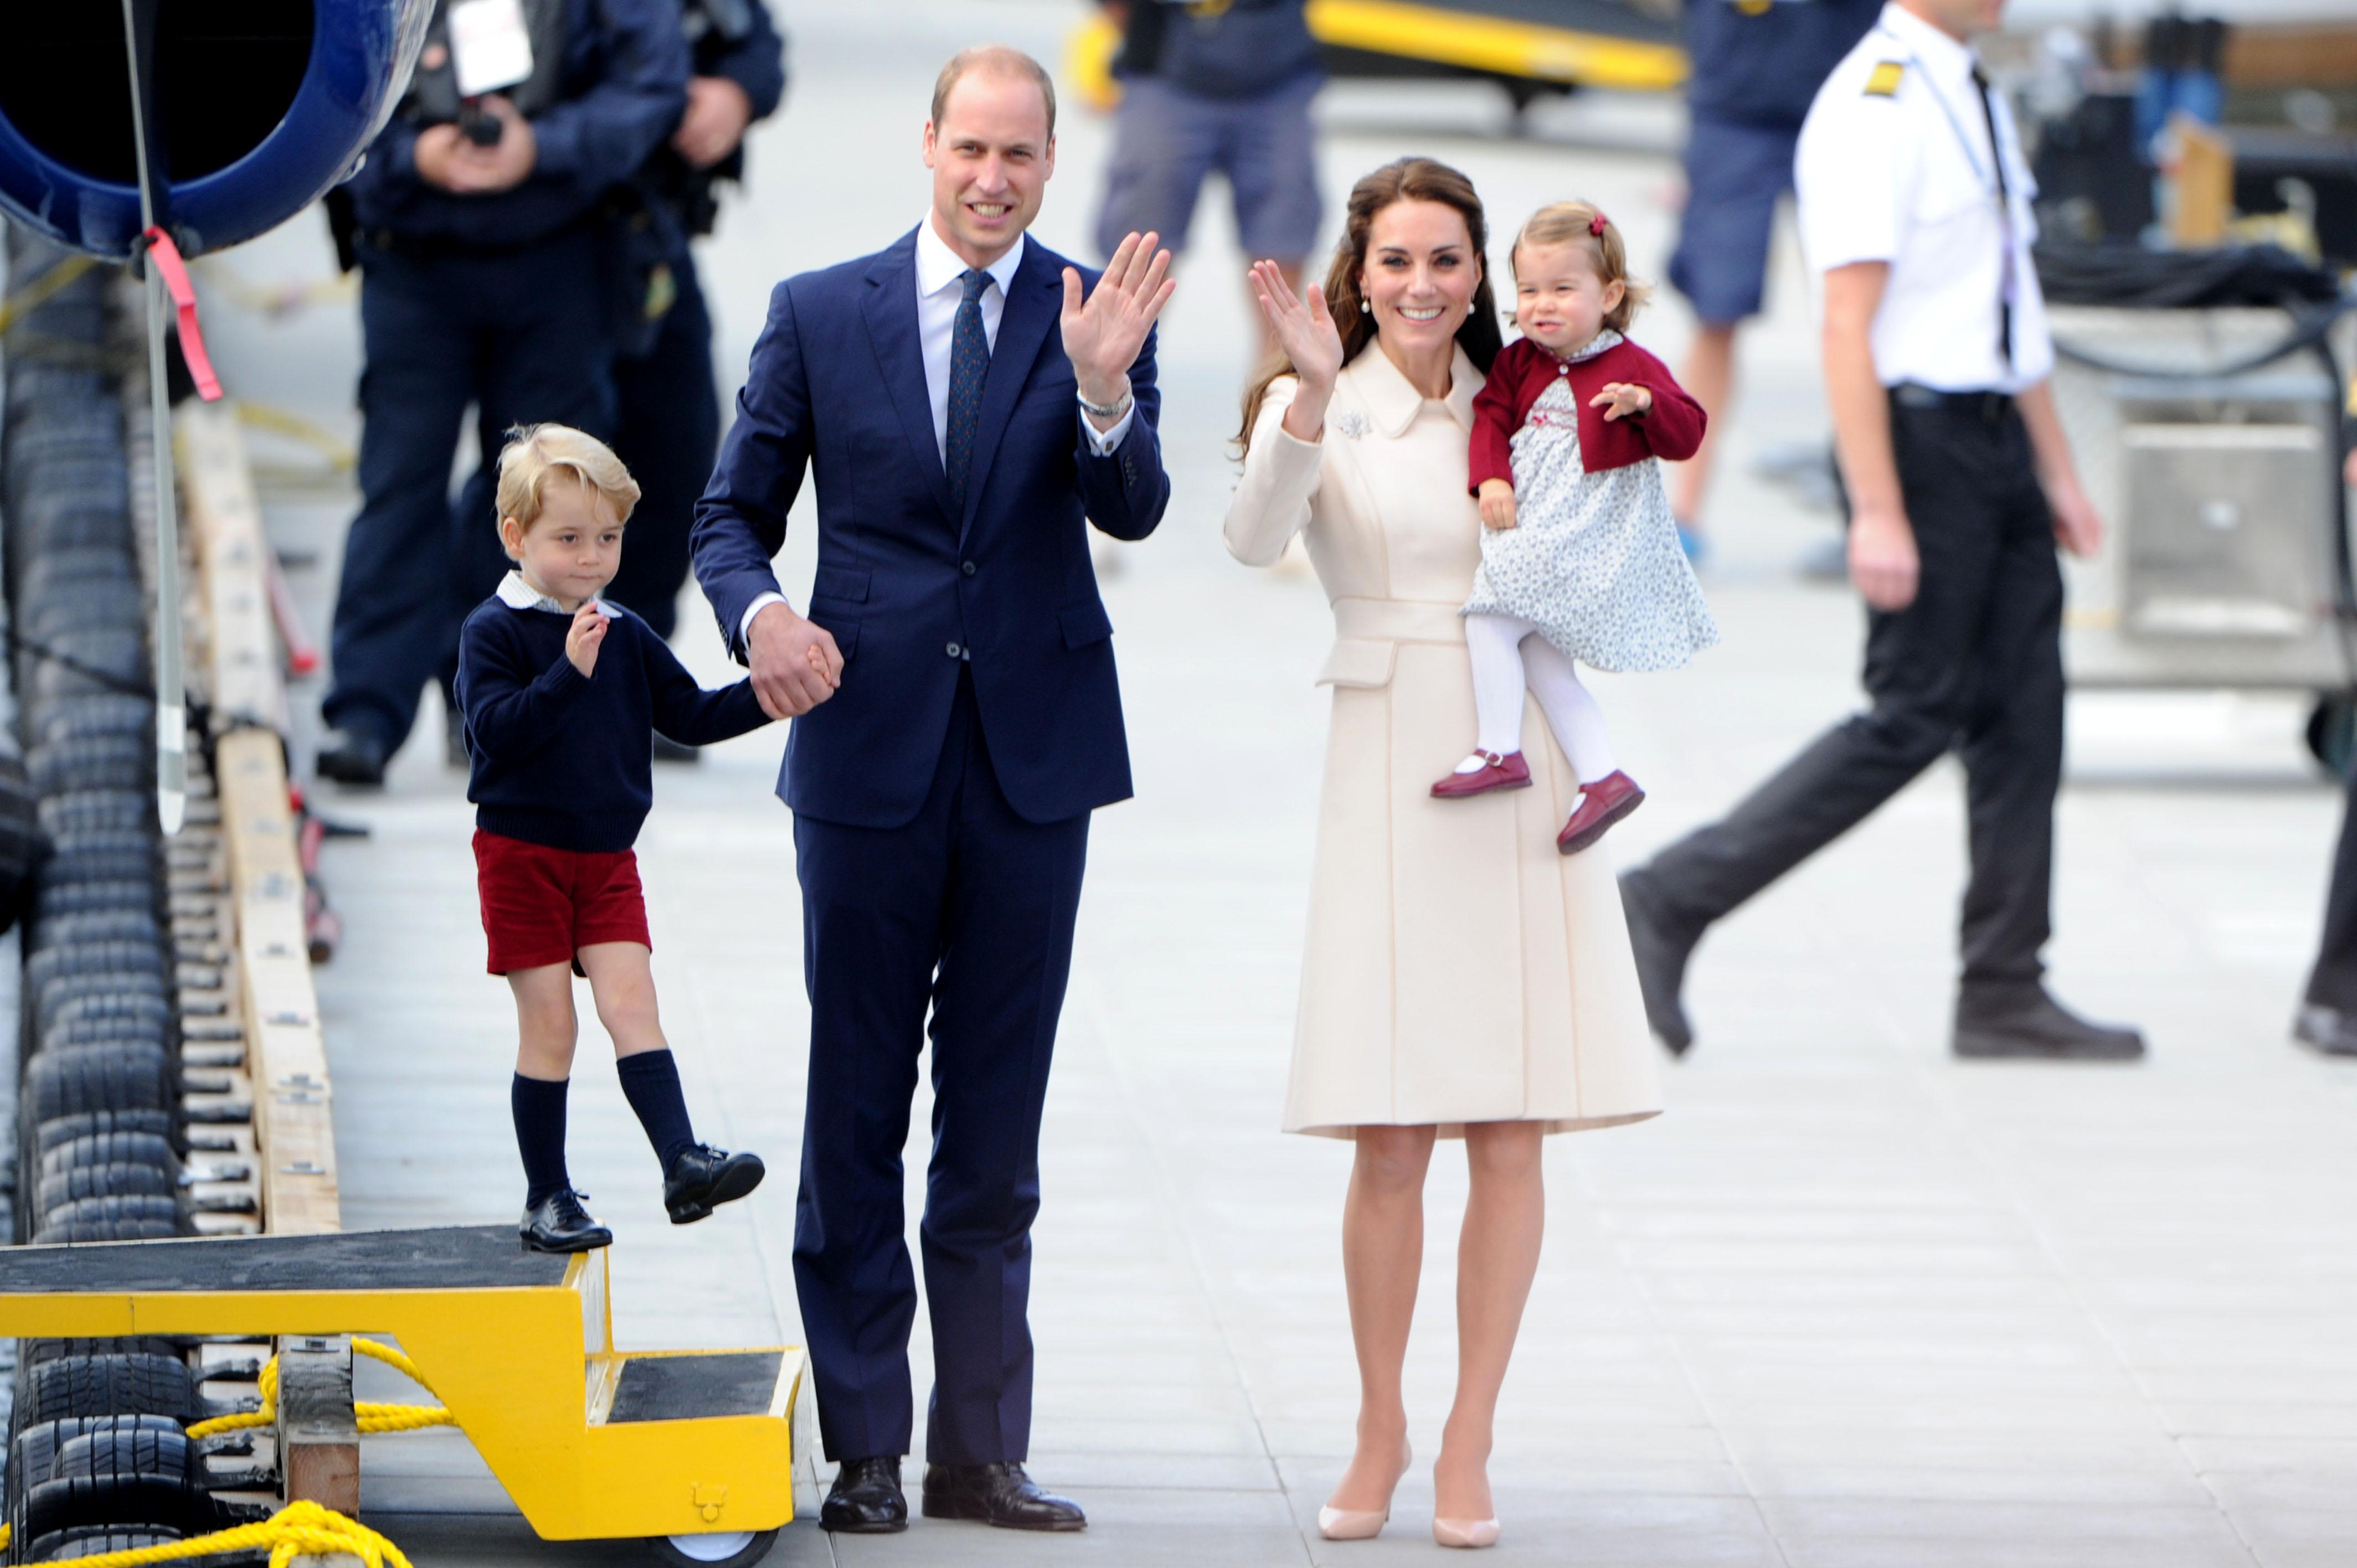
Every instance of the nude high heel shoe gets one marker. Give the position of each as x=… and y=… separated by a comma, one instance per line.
x=1361, y=1524
x=1467, y=1532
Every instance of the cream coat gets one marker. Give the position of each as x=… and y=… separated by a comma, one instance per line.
x=1458, y=969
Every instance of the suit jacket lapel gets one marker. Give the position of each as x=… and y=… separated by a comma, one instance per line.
x=889, y=306
x=1034, y=306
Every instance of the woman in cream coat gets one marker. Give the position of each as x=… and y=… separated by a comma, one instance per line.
x=1461, y=977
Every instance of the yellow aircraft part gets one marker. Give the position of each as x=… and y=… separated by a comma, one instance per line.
x=1473, y=42
x=527, y=1373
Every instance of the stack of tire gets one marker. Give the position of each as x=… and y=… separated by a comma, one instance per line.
x=98, y=1459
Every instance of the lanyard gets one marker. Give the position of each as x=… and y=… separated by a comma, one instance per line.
x=1991, y=180
x=1988, y=178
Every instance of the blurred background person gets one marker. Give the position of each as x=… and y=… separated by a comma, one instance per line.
x=2327, y=1010
x=667, y=396
x=1754, y=66
x=1215, y=86
x=481, y=282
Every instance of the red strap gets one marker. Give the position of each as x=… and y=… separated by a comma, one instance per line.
x=175, y=274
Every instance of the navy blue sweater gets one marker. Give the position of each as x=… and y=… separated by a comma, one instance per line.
x=564, y=759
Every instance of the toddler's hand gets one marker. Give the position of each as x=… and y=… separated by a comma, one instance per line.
x=1620, y=399
x=586, y=636
x=1497, y=503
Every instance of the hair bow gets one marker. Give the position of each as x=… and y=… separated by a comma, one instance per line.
x=1596, y=225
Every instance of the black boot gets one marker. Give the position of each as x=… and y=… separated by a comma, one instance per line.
x=2019, y=1020
x=354, y=756
x=702, y=1177
x=2328, y=1029
x=999, y=1494
x=559, y=1224
x=865, y=1498
x=1661, y=946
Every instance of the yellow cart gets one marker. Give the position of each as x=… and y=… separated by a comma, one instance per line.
x=692, y=1450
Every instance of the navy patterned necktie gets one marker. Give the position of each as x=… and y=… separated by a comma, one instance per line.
x=969, y=362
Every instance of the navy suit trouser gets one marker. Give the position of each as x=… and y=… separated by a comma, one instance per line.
x=524, y=335
x=968, y=910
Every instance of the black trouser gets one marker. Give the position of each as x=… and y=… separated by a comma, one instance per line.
x=2333, y=982
x=1975, y=662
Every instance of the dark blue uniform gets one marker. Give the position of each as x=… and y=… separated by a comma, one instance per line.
x=498, y=300
x=1756, y=65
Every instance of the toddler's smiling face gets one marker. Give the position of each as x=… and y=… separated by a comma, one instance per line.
x=1560, y=298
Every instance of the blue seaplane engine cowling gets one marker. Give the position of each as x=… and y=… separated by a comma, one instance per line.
x=264, y=104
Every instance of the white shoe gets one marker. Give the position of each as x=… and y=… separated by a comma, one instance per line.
x=1361, y=1524
x=1473, y=1532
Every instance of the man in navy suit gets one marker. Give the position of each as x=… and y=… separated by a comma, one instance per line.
x=967, y=402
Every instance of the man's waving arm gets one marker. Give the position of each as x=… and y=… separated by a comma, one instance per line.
x=740, y=524
x=1108, y=334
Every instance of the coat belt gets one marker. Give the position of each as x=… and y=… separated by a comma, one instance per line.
x=1397, y=620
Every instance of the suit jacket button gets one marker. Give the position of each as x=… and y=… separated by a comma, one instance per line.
x=966, y=567
x=954, y=650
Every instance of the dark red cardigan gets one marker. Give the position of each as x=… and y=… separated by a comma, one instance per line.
x=1672, y=428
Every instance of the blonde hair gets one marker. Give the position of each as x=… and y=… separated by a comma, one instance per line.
x=536, y=452
x=1561, y=222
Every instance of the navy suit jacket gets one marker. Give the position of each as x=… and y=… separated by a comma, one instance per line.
x=905, y=584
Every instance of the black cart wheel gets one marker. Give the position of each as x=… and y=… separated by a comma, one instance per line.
x=727, y=1548
x=2333, y=731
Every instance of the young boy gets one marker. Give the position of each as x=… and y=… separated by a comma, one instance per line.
x=561, y=694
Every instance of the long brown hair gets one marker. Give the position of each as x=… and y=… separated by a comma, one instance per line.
x=1408, y=179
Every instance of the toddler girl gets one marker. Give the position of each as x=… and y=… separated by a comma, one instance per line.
x=1579, y=555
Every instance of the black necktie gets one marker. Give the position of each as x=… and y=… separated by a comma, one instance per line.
x=2005, y=221
x=969, y=362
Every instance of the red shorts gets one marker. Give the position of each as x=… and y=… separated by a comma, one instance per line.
x=542, y=906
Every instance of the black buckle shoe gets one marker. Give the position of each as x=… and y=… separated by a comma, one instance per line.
x=703, y=1177
x=999, y=1494
x=2020, y=1021
x=669, y=750
x=353, y=756
x=1661, y=950
x=865, y=1498
x=559, y=1224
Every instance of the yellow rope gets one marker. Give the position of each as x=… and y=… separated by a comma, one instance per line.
x=299, y=1530
x=48, y=284
x=374, y=1416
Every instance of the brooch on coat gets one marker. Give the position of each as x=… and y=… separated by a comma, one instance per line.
x=1351, y=423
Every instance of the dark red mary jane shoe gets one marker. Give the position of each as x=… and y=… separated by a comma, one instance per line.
x=1496, y=772
x=1601, y=804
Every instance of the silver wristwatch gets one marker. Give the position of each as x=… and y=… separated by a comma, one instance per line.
x=1113, y=410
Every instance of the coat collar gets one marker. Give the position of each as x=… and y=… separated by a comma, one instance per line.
x=1392, y=399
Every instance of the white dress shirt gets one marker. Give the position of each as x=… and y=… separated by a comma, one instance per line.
x=1894, y=164
x=939, y=294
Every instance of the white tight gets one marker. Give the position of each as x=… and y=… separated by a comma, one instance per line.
x=1509, y=655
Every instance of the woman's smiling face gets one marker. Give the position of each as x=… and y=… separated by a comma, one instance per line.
x=1420, y=274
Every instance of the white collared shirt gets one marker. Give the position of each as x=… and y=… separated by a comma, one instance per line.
x=1894, y=164
x=939, y=292
x=519, y=595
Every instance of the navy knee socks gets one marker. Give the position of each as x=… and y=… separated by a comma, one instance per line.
x=538, y=1106
x=650, y=1082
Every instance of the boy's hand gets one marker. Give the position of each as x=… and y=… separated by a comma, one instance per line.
x=1620, y=399
x=1497, y=502
x=585, y=637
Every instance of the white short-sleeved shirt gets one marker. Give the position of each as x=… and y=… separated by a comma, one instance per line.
x=1894, y=164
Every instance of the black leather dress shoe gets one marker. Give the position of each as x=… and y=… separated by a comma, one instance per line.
x=353, y=756
x=1661, y=946
x=669, y=750
x=2328, y=1029
x=559, y=1224
x=865, y=1498
x=2022, y=1021
x=999, y=1494
x=703, y=1177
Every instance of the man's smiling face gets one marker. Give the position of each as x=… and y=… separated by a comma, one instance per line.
x=991, y=153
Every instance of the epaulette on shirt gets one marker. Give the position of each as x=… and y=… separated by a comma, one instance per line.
x=1884, y=80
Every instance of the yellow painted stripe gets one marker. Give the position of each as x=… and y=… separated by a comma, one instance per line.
x=1494, y=44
